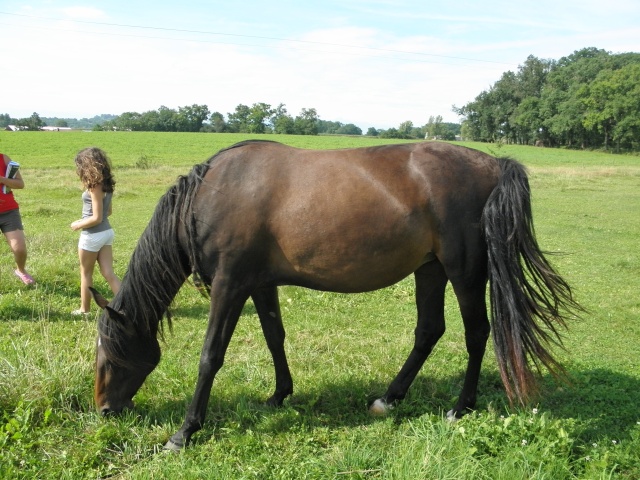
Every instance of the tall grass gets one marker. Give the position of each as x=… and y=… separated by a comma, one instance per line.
x=343, y=349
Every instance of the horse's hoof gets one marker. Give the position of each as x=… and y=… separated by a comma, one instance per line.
x=170, y=446
x=379, y=408
x=275, y=401
x=451, y=416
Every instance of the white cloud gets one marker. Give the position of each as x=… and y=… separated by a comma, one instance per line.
x=84, y=13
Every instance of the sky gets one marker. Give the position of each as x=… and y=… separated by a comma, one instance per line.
x=373, y=63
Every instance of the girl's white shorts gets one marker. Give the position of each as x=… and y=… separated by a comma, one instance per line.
x=93, y=242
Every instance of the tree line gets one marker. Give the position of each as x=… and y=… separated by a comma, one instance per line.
x=257, y=118
x=589, y=99
x=262, y=118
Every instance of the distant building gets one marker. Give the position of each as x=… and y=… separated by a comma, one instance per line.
x=56, y=129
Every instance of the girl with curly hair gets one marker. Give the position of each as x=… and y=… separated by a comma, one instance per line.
x=96, y=240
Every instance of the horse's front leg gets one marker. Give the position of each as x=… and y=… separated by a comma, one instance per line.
x=225, y=310
x=431, y=281
x=268, y=308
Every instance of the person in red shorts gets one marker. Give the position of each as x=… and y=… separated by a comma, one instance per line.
x=11, y=222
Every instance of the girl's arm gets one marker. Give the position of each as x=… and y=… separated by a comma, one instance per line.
x=97, y=196
x=15, y=183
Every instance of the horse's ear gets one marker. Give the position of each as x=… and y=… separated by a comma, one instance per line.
x=114, y=314
x=103, y=303
x=100, y=300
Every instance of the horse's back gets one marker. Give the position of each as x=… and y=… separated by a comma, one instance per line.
x=343, y=220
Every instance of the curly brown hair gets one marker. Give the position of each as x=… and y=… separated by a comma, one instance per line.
x=94, y=168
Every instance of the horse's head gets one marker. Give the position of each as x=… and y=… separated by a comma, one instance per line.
x=124, y=358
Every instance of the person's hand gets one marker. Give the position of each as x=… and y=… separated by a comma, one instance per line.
x=76, y=225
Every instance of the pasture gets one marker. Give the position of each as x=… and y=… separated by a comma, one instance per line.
x=343, y=349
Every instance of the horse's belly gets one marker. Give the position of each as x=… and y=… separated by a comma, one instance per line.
x=354, y=266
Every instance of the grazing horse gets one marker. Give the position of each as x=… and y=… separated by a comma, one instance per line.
x=260, y=214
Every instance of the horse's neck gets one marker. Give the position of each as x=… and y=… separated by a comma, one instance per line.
x=147, y=291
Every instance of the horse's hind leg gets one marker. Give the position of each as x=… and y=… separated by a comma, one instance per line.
x=268, y=308
x=472, y=301
x=431, y=281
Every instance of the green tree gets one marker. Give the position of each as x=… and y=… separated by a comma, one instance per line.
x=480, y=118
x=218, y=124
x=190, y=118
x=434, y=128
x=497, y=114
x=5, y=120
x=349, y=129
x=528, y=121
x=560, y=107
x=405, y=129
x=307, y=122
x=238, y=121
x=33, y=123
x=390, y=133
x=259, y=115
x=328, y=127
x=612, y=105
x=129, y=121
x=150, y=121
x=166, y=120
x=281, y=122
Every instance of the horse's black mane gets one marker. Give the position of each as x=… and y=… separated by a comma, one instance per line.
x=159, y=265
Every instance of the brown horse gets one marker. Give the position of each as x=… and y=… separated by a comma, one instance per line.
x=260, y=214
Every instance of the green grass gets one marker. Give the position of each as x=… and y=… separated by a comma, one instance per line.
x=343, y=349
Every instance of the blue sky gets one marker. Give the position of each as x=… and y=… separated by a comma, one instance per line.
x=369, y=62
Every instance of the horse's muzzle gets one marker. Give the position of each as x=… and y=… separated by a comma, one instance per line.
x=107, y=410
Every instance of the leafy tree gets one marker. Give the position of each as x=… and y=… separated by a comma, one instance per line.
x=496, y=114
x=34, y=122
x=587, y=99
x=259, y=115
x=480, y=118
x=166, y=120
x=238, y=121
x=307, y=122
x=434, y=127
x=560, y=107
x=190, y=118
x=612, y=104
x=372, y=132
x=281, y=122
x=328, y=127
x=390, y=133
x=5, y=120
x=218, y=124
x=349, y=129
x=405, y=129
x=528, y=120
x=130, y=121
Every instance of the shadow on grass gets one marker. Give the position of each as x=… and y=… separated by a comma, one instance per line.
x=603, y=402
x=201, y=310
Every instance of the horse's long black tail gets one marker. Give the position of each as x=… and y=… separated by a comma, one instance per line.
x=529, y=300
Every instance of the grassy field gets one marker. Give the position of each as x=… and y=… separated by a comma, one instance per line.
x=343, y=349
